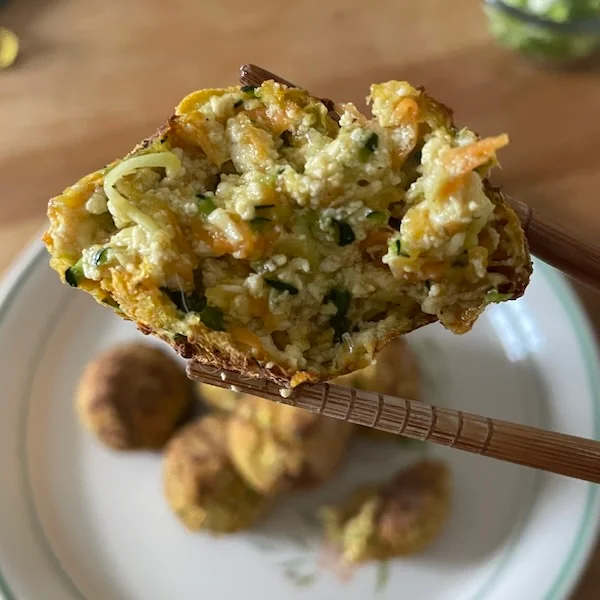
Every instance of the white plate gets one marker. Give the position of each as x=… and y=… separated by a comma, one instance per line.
x=80, y=522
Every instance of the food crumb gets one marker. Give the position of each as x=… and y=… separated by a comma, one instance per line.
x=223, y=376
x=234, y=388
x=285, y=392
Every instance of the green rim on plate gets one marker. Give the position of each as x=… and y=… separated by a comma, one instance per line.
x=586, y=534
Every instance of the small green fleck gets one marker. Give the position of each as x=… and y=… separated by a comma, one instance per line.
x=194, y=302
x=110, y=301
x=238, y=103
x=339, y=322
x=344, y=233
x=371, y=144
x=249, y=89
x=383, y=575
x=305, y=580
x=74, y=274
x=205, y=204
x=397, y=246
x=213, y=318
x=341, y=299
x=100, y=257
x=282, y=286
x=263, y=206
x=178, y=338
x=378, y=217
x=495, y=296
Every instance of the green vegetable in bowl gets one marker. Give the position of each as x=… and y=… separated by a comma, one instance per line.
x=546, y=29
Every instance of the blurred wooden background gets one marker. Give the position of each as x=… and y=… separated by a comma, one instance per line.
x=94, y=77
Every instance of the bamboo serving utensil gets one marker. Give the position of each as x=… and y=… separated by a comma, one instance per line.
x=520, y=444
x=548, y=240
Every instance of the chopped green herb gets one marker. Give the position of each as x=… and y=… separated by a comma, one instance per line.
x=428, y=284
x=341, y=299
x=496, y=296
x=259, y=223
x=110, y=301
x=238, y=103
x=74, y=274
x=397, y=247
x=100, y=257
x=378, y=217
x=282, y=286
x=213, y=318
x=249, y=89
x=263, y=206
x=371, y=144
x=339, y=322
x=193, y=302
x=344, y=233
x=205, y=204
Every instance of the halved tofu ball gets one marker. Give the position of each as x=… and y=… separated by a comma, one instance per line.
x=398, y=518
x=257, y=233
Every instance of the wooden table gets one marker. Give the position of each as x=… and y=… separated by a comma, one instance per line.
x=94, y=77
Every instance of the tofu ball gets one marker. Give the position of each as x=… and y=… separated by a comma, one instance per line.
x=398, y=518
x=201, y=485
x=133, y=397
x=277, y=447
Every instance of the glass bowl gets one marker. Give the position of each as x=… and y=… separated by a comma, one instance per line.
x=557, y=31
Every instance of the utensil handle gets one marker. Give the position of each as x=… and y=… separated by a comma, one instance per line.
x=547, y=239
x=559, y=247
x=520, y=444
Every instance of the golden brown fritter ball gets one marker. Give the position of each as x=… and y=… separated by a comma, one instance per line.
x=277, y=447
x=395, y=372
x=201, y=485
x=398, y=518
x=133, y=397
x=219, y=398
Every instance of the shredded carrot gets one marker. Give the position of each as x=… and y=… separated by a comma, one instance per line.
x=193, y=129
x=405, y=112
x=461, y=161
